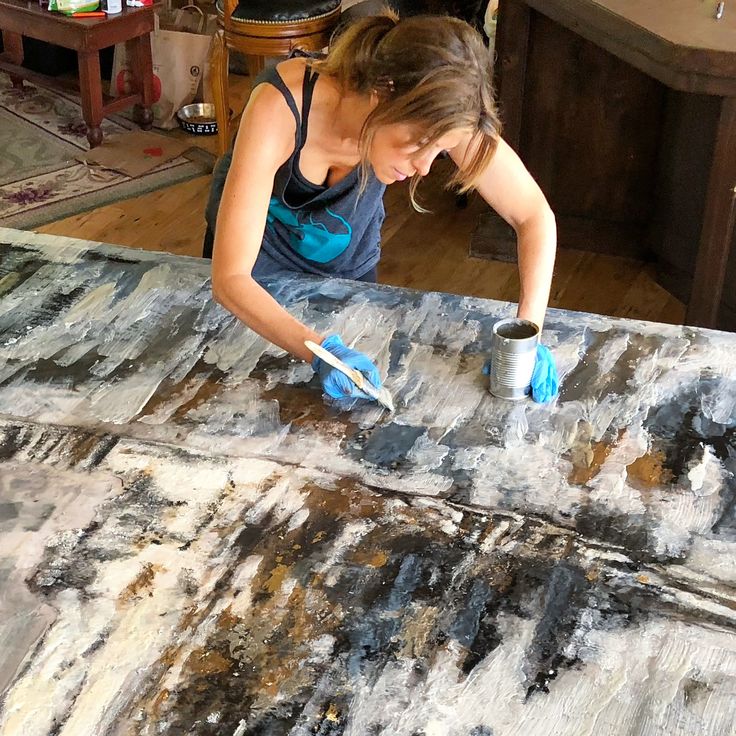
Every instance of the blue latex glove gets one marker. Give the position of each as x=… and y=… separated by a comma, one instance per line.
x=337, y=384
x=545, y=382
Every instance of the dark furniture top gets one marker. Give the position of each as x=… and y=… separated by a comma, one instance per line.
x=679, y=42
x=83, y=34
x=87, y=36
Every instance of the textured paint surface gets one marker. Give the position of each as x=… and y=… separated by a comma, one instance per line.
x=193, y=542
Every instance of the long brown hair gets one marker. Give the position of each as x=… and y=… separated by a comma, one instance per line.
x=432, y=72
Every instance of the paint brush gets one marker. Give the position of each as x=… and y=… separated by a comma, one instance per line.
x=381, y=395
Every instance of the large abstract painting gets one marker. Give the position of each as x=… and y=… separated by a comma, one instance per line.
x=193, y=541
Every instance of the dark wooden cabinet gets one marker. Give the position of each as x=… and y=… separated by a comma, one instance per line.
x=625, y=113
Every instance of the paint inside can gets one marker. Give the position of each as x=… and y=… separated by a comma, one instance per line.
x=513, y=355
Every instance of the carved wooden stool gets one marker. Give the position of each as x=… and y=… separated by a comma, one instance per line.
x=257, y=30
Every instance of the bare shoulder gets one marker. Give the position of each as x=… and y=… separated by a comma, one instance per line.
x=266, y=96
x=292, y=72
x=268, y=122
x=267, y=105
x=506, y=158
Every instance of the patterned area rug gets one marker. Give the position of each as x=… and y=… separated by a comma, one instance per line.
x=41, y=131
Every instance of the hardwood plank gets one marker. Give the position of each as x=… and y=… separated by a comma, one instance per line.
x=646, y=299
x=600, y=284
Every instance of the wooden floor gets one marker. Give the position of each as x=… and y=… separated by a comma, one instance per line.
x=421, y=251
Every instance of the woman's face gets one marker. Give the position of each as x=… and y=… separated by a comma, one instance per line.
x=396, y=153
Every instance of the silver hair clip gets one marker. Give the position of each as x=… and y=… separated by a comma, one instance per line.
x=387, y=83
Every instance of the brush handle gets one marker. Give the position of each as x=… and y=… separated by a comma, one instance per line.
x=355, y=376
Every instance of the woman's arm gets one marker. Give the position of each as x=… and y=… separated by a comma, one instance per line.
x=265, y=141
x=509, y=188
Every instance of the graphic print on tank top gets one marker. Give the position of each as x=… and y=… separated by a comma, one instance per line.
x=318, y=236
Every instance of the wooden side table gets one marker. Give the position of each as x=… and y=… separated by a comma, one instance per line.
x=625, y=112
x=87, y=36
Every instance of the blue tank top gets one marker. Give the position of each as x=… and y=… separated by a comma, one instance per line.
x=311, y=228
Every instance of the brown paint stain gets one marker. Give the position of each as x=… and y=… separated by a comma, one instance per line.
x=648, y=471
x=142, y=582
x=211, y=387
x=276, y=579
x=371, y=559
x=304, y=407
x=188, y=618
x=501, y=578
x=282, y=672
x=159, y=701
x=258, y=638
x=167, y=391
x=587, y=462
x=207, y=663
x=487, y=531
x=348, y=497
x=418, y=636
x=168, y=658
x=227, y=619
x=84, y=446
x=279, y=670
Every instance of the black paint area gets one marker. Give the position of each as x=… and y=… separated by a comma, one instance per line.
x=395, y=595
x=386, y=446
x=685, y=432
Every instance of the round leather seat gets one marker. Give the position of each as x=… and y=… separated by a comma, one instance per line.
x=288, y=11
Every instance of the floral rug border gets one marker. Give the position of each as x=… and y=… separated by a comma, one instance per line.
x=73, y=187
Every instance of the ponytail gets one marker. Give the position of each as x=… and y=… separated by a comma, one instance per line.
x=351, y=56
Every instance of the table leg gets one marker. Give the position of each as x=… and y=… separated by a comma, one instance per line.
x=718, y=224
x=13, y=52
x=90, y=87
x=139, y=53
x=219, y=61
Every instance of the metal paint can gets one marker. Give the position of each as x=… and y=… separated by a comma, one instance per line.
x=513, y=354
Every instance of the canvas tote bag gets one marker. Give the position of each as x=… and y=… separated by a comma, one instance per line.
x=179, y=47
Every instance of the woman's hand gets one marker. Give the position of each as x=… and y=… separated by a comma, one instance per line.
x=545, y=381
x=335, y=383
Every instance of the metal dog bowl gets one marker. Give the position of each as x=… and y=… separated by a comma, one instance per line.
x=198, y=118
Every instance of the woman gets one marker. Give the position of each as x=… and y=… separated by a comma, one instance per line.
x=319, y=142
